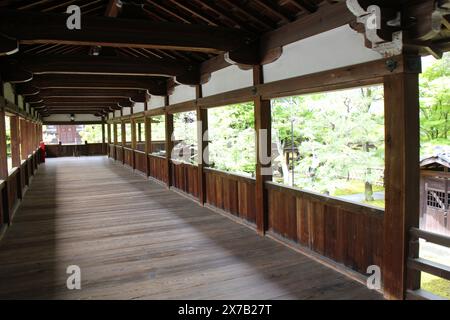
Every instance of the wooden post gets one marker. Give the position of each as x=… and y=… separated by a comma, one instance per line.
x=139, y=134
x=148, y=143
x=202, y=146
x=115, y=140
x=263, y=149
x=103, y=136
x=4, y=167
x=401, y=94
x=15, y=141
x=23, y=148
x=108, y=128
x=133, y=141
x=124, y=139
x=169, y=143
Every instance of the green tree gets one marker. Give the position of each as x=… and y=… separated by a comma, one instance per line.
x=435, y=105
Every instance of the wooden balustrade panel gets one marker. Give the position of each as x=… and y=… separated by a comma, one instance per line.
x=29, y=167
x=140, y=159
x=343, y=233
x=12, y=190
x=23, y=174
x=2, y=199
x=158, y=168
x=119, y=153
x=231, y=193
x=128, y=156
x=91, y=149
x=111, y=151
x=185, y=178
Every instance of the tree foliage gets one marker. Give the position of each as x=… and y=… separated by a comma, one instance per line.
x=435, y=105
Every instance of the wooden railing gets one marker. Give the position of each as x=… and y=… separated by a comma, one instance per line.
x=13, y=188
x=348, y=233
x=232, y=193
x=416, y=264
x=158, y=167
x=112, y=151
x=128, y=156
x=140, y=161
x=90, y=149
x=185, y=177
x=119, y=153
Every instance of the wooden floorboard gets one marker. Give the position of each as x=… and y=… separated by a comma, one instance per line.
x=134, y=239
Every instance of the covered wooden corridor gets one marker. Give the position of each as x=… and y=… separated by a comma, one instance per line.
x=134, y=239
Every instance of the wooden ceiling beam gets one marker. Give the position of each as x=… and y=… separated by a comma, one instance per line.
x=36, y=28
x=84, y=100
x=155, y=86
x=111, y=66
x=88, y=93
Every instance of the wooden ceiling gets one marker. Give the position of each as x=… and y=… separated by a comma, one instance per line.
x=126, y=49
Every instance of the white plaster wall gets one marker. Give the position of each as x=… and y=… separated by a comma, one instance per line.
x=228, y=79
x=116, y=113
x=138, y=107
x=66, y=117
x=156, y=102
x=110, y=115
x=20, y=102
x=182, y=93
x=126, y=111
x=333, y=49
x=8, y=92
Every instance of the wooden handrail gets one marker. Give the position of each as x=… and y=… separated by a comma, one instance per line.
x=432, y=237
x=230, y=175
x=328, y=200
x=434, y=268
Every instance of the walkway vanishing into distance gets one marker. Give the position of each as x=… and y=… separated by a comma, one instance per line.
x=134, y=239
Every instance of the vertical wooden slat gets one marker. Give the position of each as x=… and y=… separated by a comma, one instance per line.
x=402, y=175
x=202, y=146
x=262, y=115
x=148, y=143
x=169, y=143
x=103, y=136
x=124, y=139
x=133, y=143
x=4, y=168
x=15, y=141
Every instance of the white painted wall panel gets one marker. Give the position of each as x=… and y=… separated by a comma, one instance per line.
x=138, y=107
x=126, y=111
x=156, y=102
x=333, y=49
x=228, y=79
x=66, y=117
x=182, y=93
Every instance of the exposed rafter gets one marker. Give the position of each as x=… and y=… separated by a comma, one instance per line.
x=38, y=28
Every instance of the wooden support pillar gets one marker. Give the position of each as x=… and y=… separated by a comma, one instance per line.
x=103, y=137
x=108, y=128
x=23, y=147
x=133, y=142
x=4, y=168
x=169, y=143
x=263, y=153
x=124, y=139
x=401, y=94
x=115, y=138
x=148, y=143
x=202, y=146
x=139, y=134
x=15, y=141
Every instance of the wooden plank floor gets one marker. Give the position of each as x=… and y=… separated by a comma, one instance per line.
x=134, y=239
